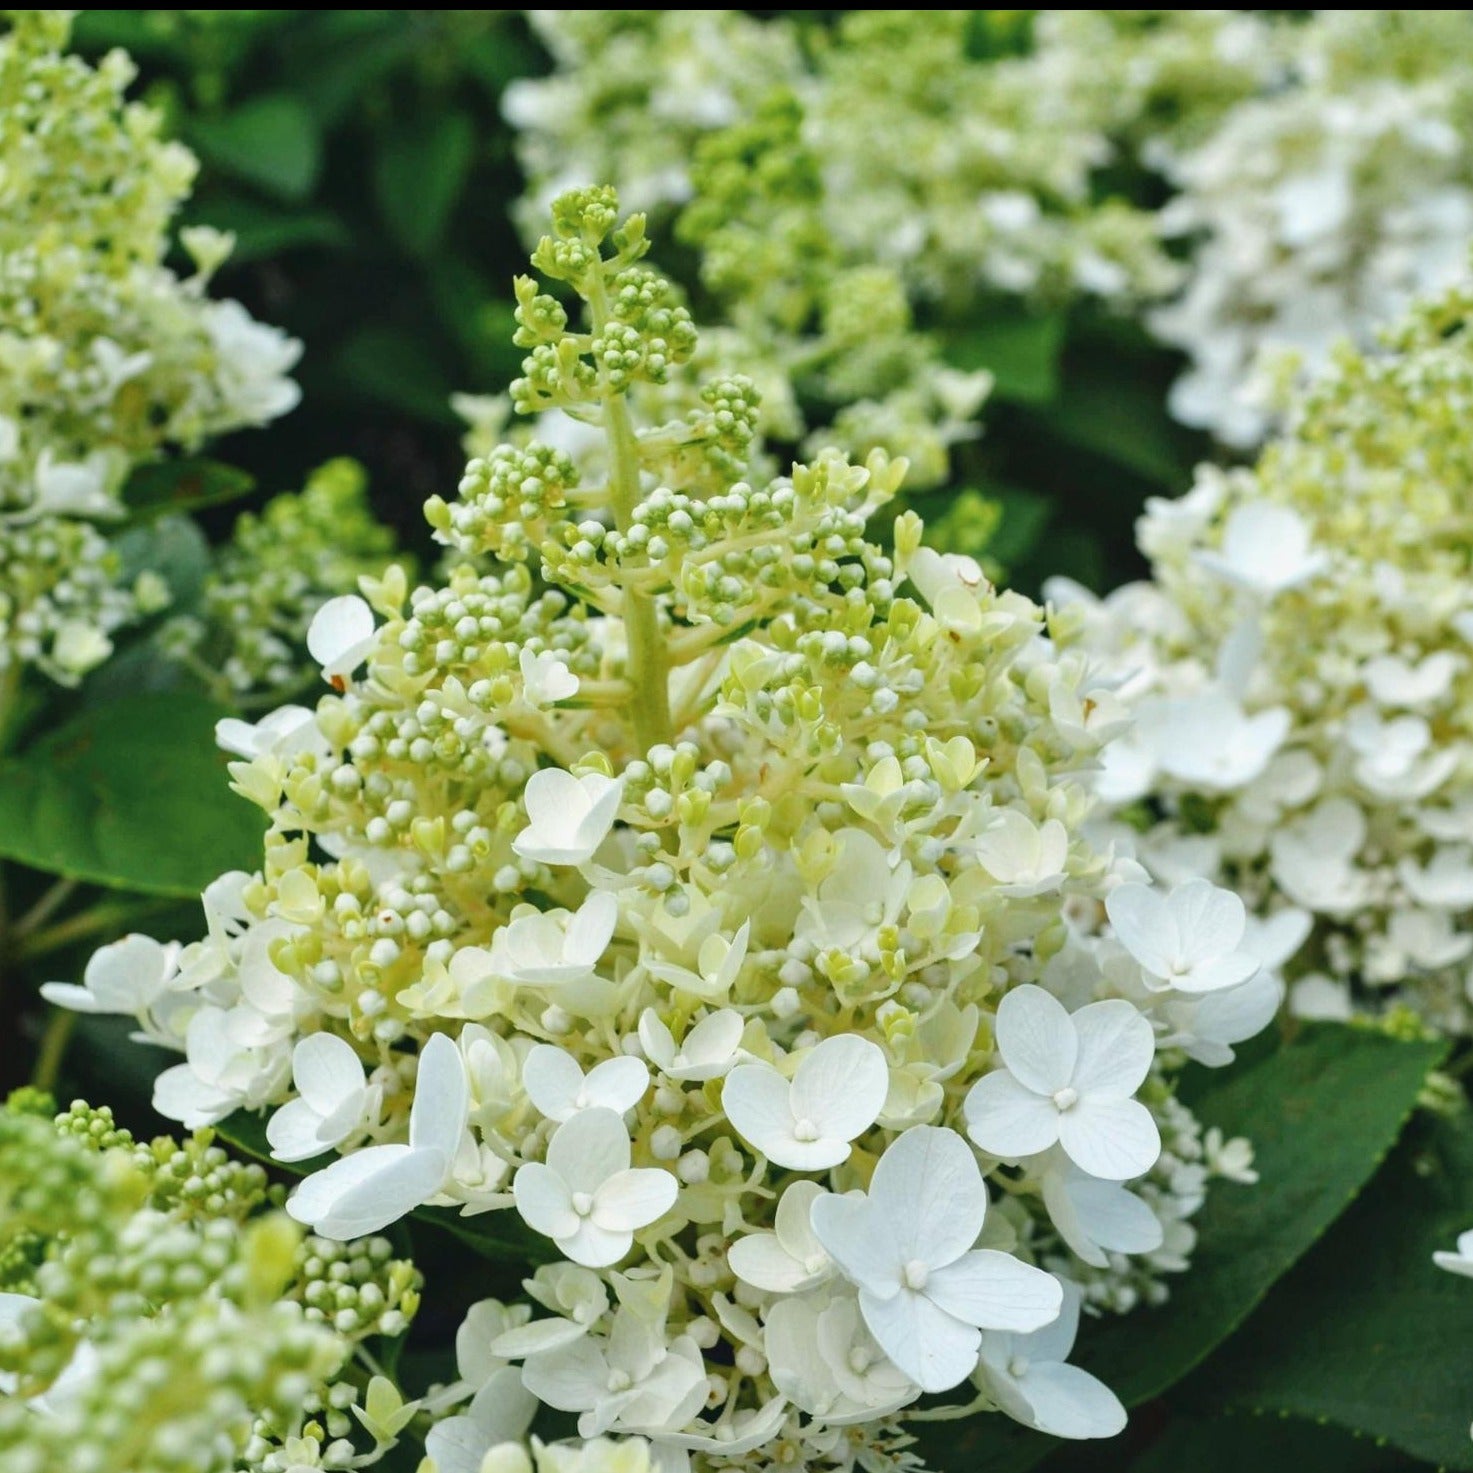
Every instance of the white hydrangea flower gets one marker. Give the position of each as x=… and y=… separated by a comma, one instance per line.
x=128, y=977
x=808, y=1122
x=1068, y=1079
x=586, y=1197
x=907, y=1245
x=1190, y=939
x=559, y=1088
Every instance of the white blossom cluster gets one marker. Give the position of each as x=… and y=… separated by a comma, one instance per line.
x=1320, y=209
x=710, y=915
x=107, y=358
x=1299, y=671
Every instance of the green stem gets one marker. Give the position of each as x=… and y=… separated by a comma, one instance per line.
x=55, y=897
x=79, y=927
x=53, y=1049
x=648, y=674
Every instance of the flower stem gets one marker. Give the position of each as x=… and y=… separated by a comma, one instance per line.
x=53, y=1049
x=648, y=673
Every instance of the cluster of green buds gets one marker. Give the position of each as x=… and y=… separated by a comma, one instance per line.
x=160, y=1314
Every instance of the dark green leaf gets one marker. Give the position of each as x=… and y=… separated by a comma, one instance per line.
x=1367, y=1332
x=1020, y=350
x=1232, y=1444
x=132, y=794
x=165, y=486
x=1322, y=1112
x=394, y=367
x=1101, y=407
x=418, y=177
x=174, y=548
x=271, y=142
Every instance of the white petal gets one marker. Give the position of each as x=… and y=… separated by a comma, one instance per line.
x=1218, y=974
x=1116, y=1046
x=338, y=626
x=129, y=974
x=180, y=1094
x=544, y=1201
x=994, y=1291
x=595, y=1246
x=588, y=1149
x=441, y=1097
x=552, y=1080
x=592, y=928
x=570, y=1379
x=1036, y=1039
x=929, y=1186
x=75, y=998
x=327, y=1071
x=365, y=1192
x=501, y=1412
x=1092, y=1215
x=1209, y=920
x=1069, y=1402
x=1007, y=1120
x=859, y=1240
x=761, y=1261
x=841, y=1086
x=293, y=1132
x=755, y=1098
x=1143, y=926
x=617, y=1084
x=936, y=1351
x=633, y=1199
x=1111, y=1139
x=656, y=1040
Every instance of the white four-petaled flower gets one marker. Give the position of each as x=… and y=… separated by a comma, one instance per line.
x=546, y=679
x=925, y=1292
x=567, y=817
x=808, y=1123
x=541, y=948
x=1068, y=1078
x=707, y=1051
x=368, y=1190
x=1190, y=940
x=586, y=1197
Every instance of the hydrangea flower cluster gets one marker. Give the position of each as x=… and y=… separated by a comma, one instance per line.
x=107, y=358
x=838, y=205
x=248, y=636
x=1299, y=670
x=690, y=884
x=1321, y=208
x=157, y=1314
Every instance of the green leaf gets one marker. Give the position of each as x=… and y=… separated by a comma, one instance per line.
x=166, y=486
x=1322, y=1113
x=395, y=368
x=176, y=549
x=132, y=794
x=418, y=177
x=271, y=142
x=1231, y=1444
x=1122, y=418
x=1366, y=1332
x=1020, y=350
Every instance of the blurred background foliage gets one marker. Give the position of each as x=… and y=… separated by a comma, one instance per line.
x=361, y=159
